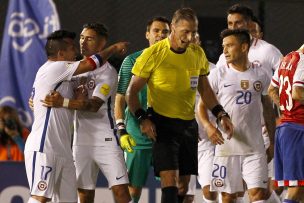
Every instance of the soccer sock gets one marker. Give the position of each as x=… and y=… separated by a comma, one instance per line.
x=273, y=198
x=32, y=200
x=169, y=195
x=208, y=201
x=180, y=198
x=259, y=201
x=135, y=199
x=290, y=201
x=239, y=200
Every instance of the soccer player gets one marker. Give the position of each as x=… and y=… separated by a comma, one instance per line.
x=287, y=90
x=48, y=156
x=96, y=144
x=139, y=157
x=265, y=55
x=256, y=28
x=241, y=87
x=174, y=69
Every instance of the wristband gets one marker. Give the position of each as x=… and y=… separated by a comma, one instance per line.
x=218, y=120
x=141, y=114
x=217, y=109
x=122, y=132
x=95, y=60
x=119, y=121
x=66, y=102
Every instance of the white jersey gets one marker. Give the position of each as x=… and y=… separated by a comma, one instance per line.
x=240, y=94
x=98, y=128
x=52, y=127
x=261, y=53
x=204, y=142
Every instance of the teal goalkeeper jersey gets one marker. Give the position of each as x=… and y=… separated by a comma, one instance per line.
x=125, y=74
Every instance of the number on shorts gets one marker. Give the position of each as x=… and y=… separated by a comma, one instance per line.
x=219, y=171
x=45, y=171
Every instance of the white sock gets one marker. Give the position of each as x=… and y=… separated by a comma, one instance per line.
x=32, y=200
x=208, y=201
x=260, y=201
x=273, y=198
x=239, y=200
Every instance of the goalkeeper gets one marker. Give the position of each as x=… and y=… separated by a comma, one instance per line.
x=139, y=157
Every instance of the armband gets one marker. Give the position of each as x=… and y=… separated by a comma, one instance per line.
x=66, y=102
x=141, y=114
x=95, y=60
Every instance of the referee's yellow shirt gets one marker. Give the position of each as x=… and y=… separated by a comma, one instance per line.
x=172, y=78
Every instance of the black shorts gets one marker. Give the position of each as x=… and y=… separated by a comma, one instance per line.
x=176, y=145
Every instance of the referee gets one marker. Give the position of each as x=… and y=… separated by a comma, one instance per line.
x=174, y=69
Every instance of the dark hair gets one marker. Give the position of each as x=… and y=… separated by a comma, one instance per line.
x=55, y=41
x=184, y=14
x=257, y=21
x=99, y=28
x=12, y=122
x=241, y=34
x=245, y=11
x=157, y=18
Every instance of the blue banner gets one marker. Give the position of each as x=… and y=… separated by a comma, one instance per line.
x=27, y=25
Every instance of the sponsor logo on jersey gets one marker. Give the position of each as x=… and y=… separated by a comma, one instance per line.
x=108, y=139
x=227, y=85
x=218, y=182
x=244, y=84
x=91, y=84
x=42, y=185
x=257, y=85
x=105, y=89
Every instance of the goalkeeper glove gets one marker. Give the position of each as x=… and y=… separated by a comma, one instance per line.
x=126, y=140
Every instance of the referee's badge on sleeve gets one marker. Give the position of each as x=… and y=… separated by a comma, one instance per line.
x=105, y=89
x=193, y=82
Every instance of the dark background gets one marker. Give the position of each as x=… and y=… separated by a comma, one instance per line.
x=126, y=19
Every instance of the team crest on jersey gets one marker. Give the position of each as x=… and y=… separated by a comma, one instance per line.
x=244, y=84
x=218, y=182
x=42, y=185
x=105, y=89
x=91, y=84
x=257, y=85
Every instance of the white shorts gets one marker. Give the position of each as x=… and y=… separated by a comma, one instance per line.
x=228, y=173
x=270, y=169
x=109, y=159
x=192, y=185
x=205, y=163
x=51, y=176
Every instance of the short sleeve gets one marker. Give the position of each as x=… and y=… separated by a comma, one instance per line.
x=105, y=87
x=275, y=79
x=213, y=80
x=144, y=64
x=124, y=75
